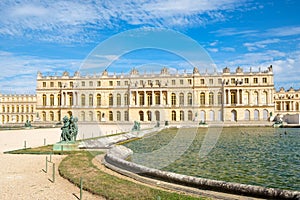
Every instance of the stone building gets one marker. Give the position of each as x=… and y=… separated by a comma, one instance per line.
x=287, y=101
x=17, y=108
x=175, y=97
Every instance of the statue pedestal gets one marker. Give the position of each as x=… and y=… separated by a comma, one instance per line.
x=65, y=146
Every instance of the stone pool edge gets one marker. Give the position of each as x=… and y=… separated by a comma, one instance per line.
x=115, y=159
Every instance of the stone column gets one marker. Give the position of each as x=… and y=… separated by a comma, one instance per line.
x=153, y=99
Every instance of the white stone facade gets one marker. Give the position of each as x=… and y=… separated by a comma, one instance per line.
x=217, y=97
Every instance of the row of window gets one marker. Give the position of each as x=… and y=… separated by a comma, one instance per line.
x=155, y=116
x=17, y=108
x=155, y=82
x=17, y=118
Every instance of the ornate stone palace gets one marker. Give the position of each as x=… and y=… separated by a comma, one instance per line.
x=211, y=97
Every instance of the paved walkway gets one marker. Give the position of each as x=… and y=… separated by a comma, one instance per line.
x=22, y=176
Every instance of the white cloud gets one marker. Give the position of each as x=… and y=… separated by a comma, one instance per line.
x=20, y=76
x=284, y=31
x=251, y=46
x=68, y=21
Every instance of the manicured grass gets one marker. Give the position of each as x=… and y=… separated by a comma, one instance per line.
x=98, y=182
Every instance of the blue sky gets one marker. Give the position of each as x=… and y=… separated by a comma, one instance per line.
x=54, y=36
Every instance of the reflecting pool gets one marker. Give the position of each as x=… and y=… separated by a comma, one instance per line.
x=263, y=156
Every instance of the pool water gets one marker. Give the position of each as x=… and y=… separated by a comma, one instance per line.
x=263, y=156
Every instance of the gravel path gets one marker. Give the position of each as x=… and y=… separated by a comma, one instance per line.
x=22, y=176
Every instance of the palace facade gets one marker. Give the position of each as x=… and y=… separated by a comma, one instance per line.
x=216, y=97
x=17, y=108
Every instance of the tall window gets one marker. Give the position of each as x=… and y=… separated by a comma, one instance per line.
x=157, y=98
x=91, y=118
x=149, y=115
x=149, y=99
x=111, y=100
x=59, y=100
x=173, y=99
x=110, y=116
x=82, y=100
x=190, y=115
x=181, y=99
x=173, y=115
x=51, y=116
x=219, y=98
x=44, y=100
x=255, y=80
x=181, y=116
x=190, y=99
x=118, y=116
x=126, y=103
x=141, y=95
x=118, y=100
x=98, y=99
x=202, y=98
x=51, y=100
x=126, y=116
x=91, y=103
x=211, y=98
x=71, y=99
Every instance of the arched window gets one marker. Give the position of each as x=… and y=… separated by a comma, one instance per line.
x=43, y=116
x=202, y=116
x=211, y=115
x=211, y=98
x=91, y=103
x=190, y=115
x=126, y=102
x=255, y=98
x=264, y=98
x=173, y=99
x=91, y=116
x=110, y=116
x=59, y=99
x=157, y=98
x=173, y=115
x=98, y=99
x=111, y=100
x=71, y=99
x=220, y=115
x=118, y=100
x=149, y=114
x=181, y=99
x=51, y=116
x=142, y=98
x=82, y=100
x=219, y=98
x=58, y=115
x=51, y=100
x=118, y=116
x=44, y=100
x=190, y=99
x=126, y=116
x=265, y=114
x=157, y=115
x=256, y=114
x=247, y=115
x=82, y=116
x=98, y=116
x=233, y=115
x=141, y=113
x=202, y=98
x=181, y=115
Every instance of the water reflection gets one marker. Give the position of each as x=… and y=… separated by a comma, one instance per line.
x=265, y=156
